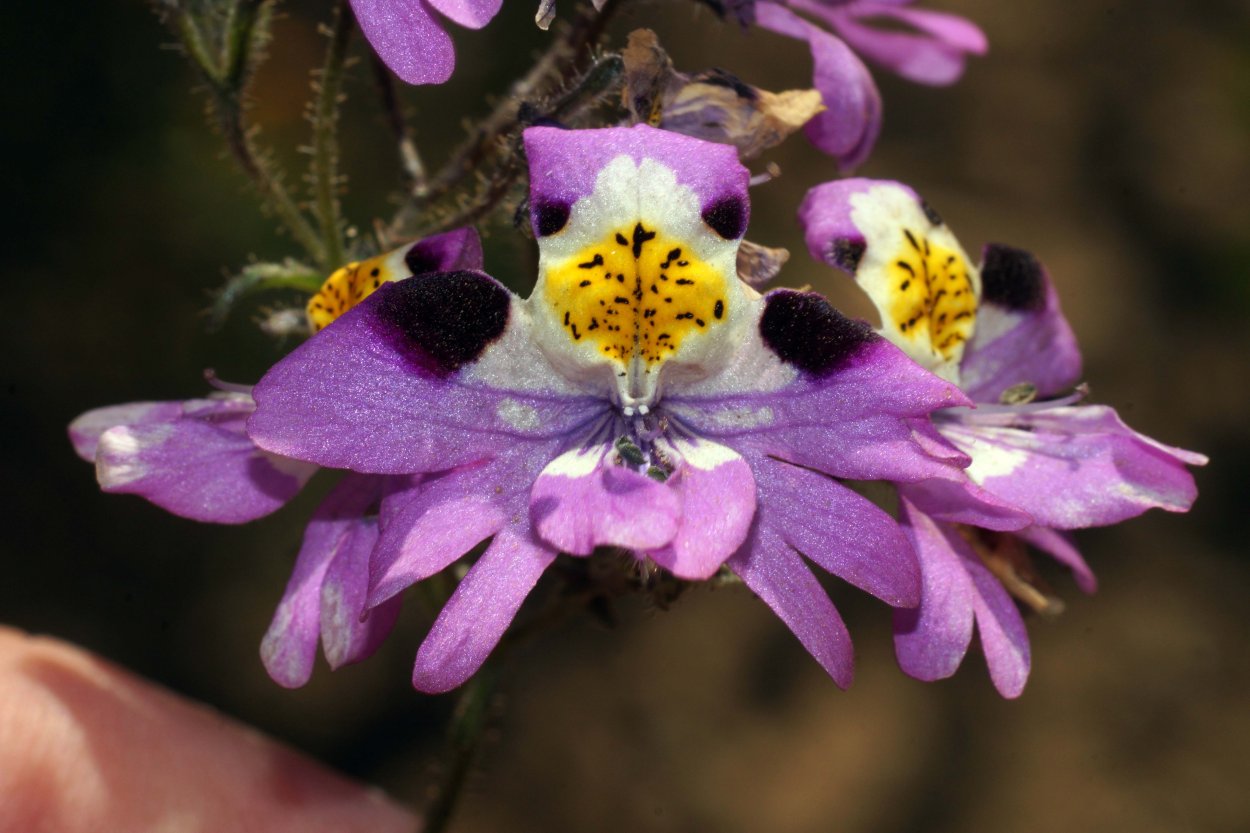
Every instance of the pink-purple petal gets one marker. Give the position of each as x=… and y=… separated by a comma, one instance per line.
x=779, y=577
x=85, y=431
x=856, y=422
x=407, y=38
x=199, y=464
x=564, y=164
x=477, y=614
x=441, y=517
x=471, y=14
x=450, y=251
x=841, y=531
x=1020, y=343
x=1074, y=466
x=289, y=647
x=931, y=641
x=1059, y=546
x=848, y=128
x=362, y=395
x=934, y=52
x=583, y=500
x=1001, y=628
x=717, y=491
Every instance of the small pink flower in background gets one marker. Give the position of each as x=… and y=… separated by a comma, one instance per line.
x=929, y=48
x=410, y=38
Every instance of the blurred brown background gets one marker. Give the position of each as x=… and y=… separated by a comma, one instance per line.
x=1112, y=138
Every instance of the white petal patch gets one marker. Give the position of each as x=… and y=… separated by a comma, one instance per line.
x=518, y=414
x=576, y=463
x=989, y=459
x=117, y=459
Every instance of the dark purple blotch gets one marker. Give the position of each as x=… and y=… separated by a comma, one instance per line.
x=846, y=253
x=727, y=217
x=550, y=217
x=1012, y=278
x=804, y=330
x=447, y=319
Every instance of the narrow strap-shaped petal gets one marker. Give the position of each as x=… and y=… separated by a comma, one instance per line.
x=441, y=517
x=407, y=38
x=478, y=613
x=848, y=128
x=425, y=374
x=931, y=640
x=1074, y=466
x=1003, y=636
x=198, y=462
x=1059, y=546
x=778, y=575
x=934, y=52
x=717, y=491
x=583, y=500
x=841, y=531
x=352, y=629
x=289, y=647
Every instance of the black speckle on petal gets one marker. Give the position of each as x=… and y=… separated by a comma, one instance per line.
x=805, y=331
x=550, y=217
x=727, y=217
x=846, y=253
x=931, y=213
x=445, y=320
x=1012, y=278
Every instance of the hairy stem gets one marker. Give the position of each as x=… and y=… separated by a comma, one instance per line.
x=468, y=723
x=325, y=119
x=409, y=158
x=226, y=69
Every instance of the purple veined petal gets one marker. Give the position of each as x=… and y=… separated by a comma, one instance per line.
x=407, y=38
x=1075, y=466
x=452, y=251
x=441, y=517
x=583, y=500
x=425, y=374
x=848, y=129
x=1022, y=335
x=477, y=614
x=199, y=464
x=289, y=647
x=85, y=431
x=1058, y=545
x=778, y=575
x=565, y=165
x=819, y=390
x=931, y=640
x=1003, y=636
x=933, y=53
x=717, y=492
x=471, y=14
x=844, y=533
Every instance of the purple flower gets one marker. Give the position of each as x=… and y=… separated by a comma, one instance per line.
x=411, y=40
x=641, y=398
x=196, y=460
x=997, y=331
x=924, y=46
